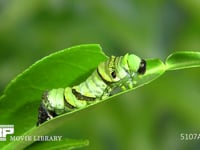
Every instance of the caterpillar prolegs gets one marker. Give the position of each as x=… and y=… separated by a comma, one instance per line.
x=115, y=72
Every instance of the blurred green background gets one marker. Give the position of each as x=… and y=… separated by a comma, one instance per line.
x=149, y=118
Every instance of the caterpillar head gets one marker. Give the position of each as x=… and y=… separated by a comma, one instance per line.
x=135, y=64
x=117, y=68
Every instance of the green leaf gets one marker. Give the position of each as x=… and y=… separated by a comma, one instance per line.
x=155, y=68
x=69, y=67
x=183, y=59
x=66, y=144
x=19, y=104
x=46, y=130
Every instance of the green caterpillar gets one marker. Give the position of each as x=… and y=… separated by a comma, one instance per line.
x=116, y=72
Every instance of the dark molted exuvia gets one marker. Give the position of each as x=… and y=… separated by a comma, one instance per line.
x=142, y=67
x=44, y=115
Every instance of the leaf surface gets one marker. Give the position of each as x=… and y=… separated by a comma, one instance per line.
x=19, y=104
x=183, y=59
